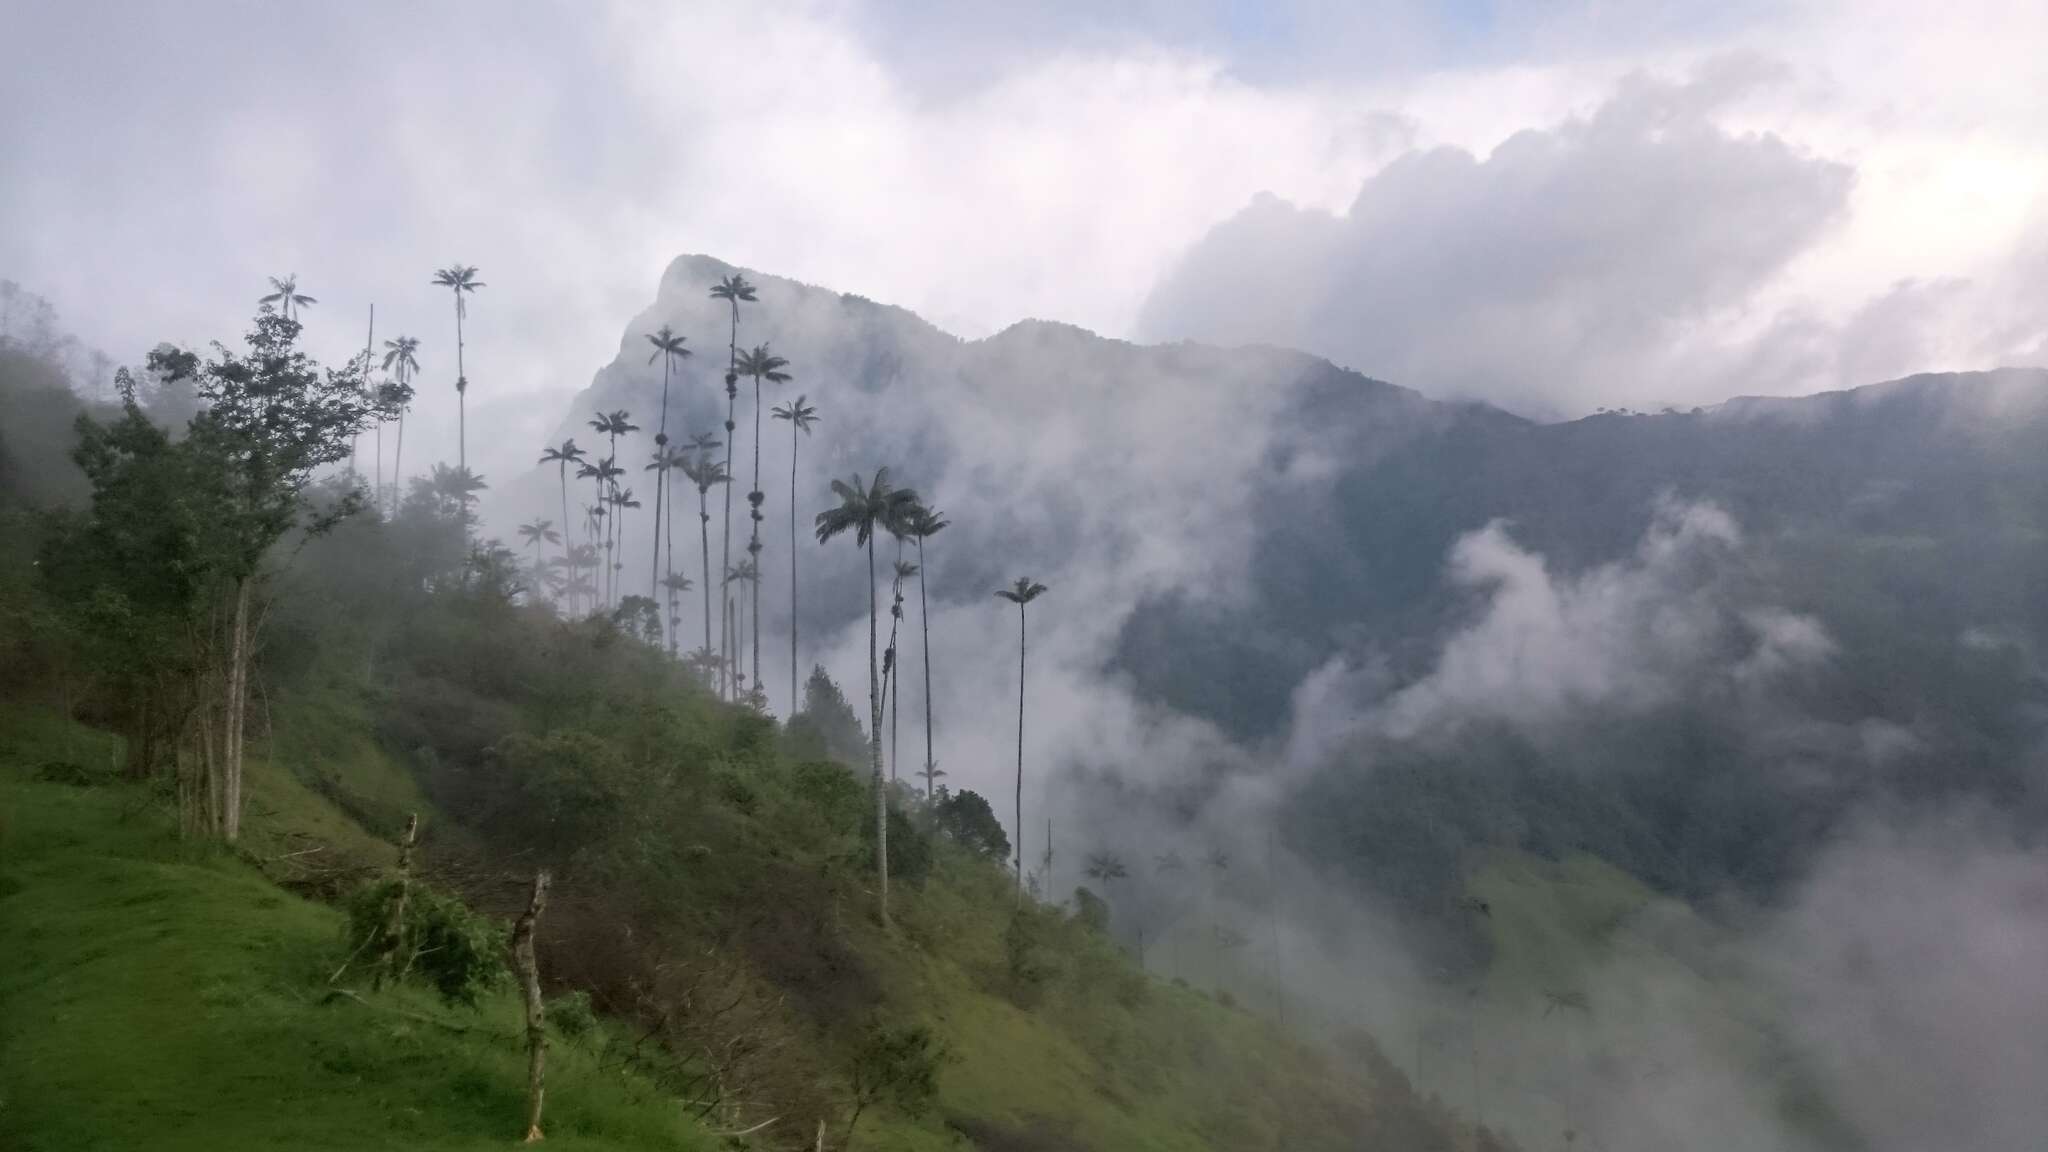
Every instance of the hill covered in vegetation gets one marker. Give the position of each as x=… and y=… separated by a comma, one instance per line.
x=713, y=962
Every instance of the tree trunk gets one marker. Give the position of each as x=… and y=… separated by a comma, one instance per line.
x=461, y=392
x=660, y=485
x=793, y=430
x=528, y=963
x=675, y=621
x=568, y=569
x=729, y=652
x=397, y=450
x=394, y=918
x=237, y=711
x=875, y=743
x=924, y=623
x=754, y=501
x=704, y=530
x=1020, y=750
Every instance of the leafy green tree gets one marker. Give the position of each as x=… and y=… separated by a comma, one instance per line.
x=825, y=727
x=801, y=418
x=865, y=508
x=966, y=818
x=1021, y=593
x=921, y=524
x=461, y=280
x=287, y=297
x=273, y=418
x=897, y=1065
x=668, y=348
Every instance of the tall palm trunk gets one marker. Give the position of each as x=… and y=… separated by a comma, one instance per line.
x=660, y=483
x=704, y=529
x=1020, y=750
x=568, y=568
x=754, y=501
x=377, y=486
x=672, y=621
x=732, y=396
x=793, y=433
x=875, y=742
x=732, y=392
x=461, y=392
x=397, y=451
x=924, y=622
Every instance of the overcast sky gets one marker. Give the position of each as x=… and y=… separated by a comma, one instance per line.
x=1555, y=206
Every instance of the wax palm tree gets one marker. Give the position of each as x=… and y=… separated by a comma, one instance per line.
x=607, y=474
x=621, y=500
x=922, y=523
x=760, y=364
x=288, y=298
x=582, y=562
x=675, y=584
x=866, y=508
x=668, y=348
x=665, y=463
x=395, y=396
x=457, y=485
x=904, y=570
x=538, y=532
x=704, y=470
x=401, y=361
x=1021, y=593
x=744, y=573
x=734, y=290
x=801, y=417
x=460, y=279
x=568, y=453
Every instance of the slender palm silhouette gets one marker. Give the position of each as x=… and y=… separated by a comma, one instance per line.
x=904, y=570
x=287, y=296
x=760, y=364
x=622, y=502
x=866, y=508
x=1021, y=593
x=568, y=453
x=668, y=348
x=538, y=532
x=801, y=418
x=401, y=360
x=665, y=463
x=704, y=470
x=460, y=279
x=924, y=523
x=734, y=290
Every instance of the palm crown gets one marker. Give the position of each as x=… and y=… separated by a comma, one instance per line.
x=540, y=530
x=762, y=364
x=402, y=355
x=734, y=289
x=287, y=297
x=568, y=453
x=1024, y=591
x=798, y=413
x=667, y=343
x=462, y=279
x=865, y=507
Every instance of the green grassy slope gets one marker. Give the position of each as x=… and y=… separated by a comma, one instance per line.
x=158, y=995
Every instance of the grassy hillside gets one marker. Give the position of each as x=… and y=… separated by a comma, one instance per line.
x=169, y=996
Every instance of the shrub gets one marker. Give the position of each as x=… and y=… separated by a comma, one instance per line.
x=459, y=952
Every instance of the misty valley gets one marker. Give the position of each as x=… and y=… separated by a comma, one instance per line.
x=930, y=632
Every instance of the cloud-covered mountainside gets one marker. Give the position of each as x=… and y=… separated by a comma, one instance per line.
x=1363, y=647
